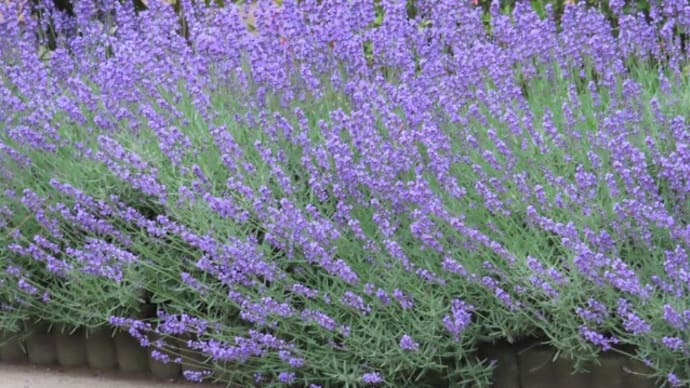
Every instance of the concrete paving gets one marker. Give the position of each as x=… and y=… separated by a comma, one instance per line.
x=30, y=376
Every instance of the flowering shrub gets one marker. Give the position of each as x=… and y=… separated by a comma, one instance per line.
x=336, y=199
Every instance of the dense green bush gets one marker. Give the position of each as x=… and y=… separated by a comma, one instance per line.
x=345, y=196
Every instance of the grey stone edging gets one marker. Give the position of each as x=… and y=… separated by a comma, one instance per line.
x=533, y=366
x=96, y=349
x=516, y=365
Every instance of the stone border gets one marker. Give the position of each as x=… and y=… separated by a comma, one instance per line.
x=94, y=349
x=530, y=365
x=525, y=365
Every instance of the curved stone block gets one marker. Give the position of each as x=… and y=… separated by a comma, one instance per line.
x=100, y=349
x=71, y=347
x=40, y=344
x=635, y=375
x=167, y=371
x=563, y=370
x=506, y=373
x=12, y=349
x=609, y=372
x=163, y=369
x=536, y=367
x=192, y=359
x=131, y=356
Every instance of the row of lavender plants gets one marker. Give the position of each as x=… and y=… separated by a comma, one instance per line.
x=344, y=195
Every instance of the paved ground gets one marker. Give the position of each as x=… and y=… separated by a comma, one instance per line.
x=28, y=376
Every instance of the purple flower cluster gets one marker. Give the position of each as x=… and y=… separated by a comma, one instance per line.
x=598, y=339
x=460, y=318
x=408, y=343
x=371, y=378
x=100, y=258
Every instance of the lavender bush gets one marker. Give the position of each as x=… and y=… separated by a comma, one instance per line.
x=344, y=196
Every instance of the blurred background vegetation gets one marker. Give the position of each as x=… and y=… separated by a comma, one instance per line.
x=558, y=5
x=540, y=6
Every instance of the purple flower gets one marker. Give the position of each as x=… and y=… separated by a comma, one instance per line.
x=451, y=265
x=673, y=380
x=160, y=356
x=408, y=343
x=259, y=312
x=673, y=343
x=304, y=290
x=320, y=318
x=405, y=301
x=26, y=286
x=371, y=378
x=286, y=377
x=192, y=282
x=636, y=325
x=195, y=376
x=351, y=299
x=383, y=297
x=460, y=318
x=368, y=288
x=595, y=312
x=102, y=259
x=631, y=321
x=673, y=318
x=598, y=339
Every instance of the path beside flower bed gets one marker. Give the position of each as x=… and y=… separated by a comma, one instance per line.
x=29, y=376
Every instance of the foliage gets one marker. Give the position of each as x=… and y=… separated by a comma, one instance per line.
x=345, y=196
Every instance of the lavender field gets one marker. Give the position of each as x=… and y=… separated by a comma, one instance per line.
x=349, y=193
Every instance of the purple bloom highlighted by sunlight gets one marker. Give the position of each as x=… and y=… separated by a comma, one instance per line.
x=195, y=376
x=673, y=380
x=160, y=356
x=603, y=342
x=460, y=318
x=286, y=377
x=408, y=343
x=102, y=259
x=371, y=378
x=26, y=287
